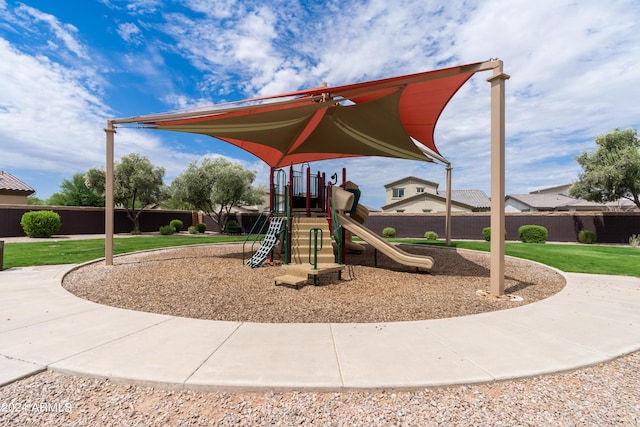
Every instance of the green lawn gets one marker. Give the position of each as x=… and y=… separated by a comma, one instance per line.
x=617, y=260
x=78, y=251
x=595, y=259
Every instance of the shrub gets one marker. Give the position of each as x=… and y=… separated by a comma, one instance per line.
x=586, y=236
x=634, y=240
x=40, y=223
x=231, y=223
x=176, y=224
x=167, y=230
x=192, y=229
x=389, y=232
x=532, y=234
x=431, y=235
x=201, y=227
x=232, y=227
x=486, y=233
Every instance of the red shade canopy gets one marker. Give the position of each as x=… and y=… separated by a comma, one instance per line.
x=392, y=117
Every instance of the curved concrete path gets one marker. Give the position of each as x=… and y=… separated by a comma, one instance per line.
x=42, y=326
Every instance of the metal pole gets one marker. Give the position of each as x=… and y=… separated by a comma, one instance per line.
x=343, y=233
x=289, y=200
x=497, y=179
x=108, y=204
x=447, y=221
x=271, y=189
x=272, y=195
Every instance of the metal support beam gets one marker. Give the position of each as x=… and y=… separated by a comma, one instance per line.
x=497, y=178
x=108, y=204
x=447, y=221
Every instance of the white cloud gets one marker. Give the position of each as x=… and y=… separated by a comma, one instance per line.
x=142, y=7
x=130, y=33
x=51, y=119
x=572, y=69
x=220, y=9
x=47, y=109
x=251, y=50
x=65, y=32
x=183, y=102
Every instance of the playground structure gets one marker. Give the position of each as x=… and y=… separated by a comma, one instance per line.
x=307, y=214
x=393, y=117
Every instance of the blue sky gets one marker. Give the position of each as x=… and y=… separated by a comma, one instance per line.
x=68, y=66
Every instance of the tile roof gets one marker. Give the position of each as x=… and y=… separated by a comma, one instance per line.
x=558, y=189
x=550, y=201
x=9, y=182
x=475, y=198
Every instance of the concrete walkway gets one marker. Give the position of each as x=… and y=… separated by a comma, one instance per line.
x=42, y=326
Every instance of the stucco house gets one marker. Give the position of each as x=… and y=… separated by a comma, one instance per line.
x=12, y=190
x=416, y=195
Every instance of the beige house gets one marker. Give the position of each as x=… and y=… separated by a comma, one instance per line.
x=416, y=195
x=12, y=190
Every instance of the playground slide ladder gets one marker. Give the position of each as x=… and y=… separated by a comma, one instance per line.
x=270, y=239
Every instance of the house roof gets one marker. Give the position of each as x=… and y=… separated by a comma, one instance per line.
x=470, y=199
x=475, y=198
x=551, y=201
x=558, y=189
x=411, y=179
x=9, y=183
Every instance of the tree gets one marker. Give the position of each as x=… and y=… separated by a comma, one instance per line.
x=612, y=171
x=174, y=204
x=76, y=193
x=34, y=200
x=216, y=187
x=137, y=185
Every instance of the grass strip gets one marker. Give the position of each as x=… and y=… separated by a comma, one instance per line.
x=79, y=251
x=591, y=259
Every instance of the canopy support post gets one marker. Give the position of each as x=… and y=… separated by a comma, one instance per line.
x=447, y=221
x=108, y=205
x=498, y=223
x=271, y=189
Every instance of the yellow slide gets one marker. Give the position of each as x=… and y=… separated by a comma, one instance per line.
x=378, y=242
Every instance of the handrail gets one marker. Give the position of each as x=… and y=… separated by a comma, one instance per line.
x=315, y=246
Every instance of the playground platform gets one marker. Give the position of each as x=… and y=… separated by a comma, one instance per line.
x=594, y=319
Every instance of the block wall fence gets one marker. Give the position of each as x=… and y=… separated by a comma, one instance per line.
x=610, y=227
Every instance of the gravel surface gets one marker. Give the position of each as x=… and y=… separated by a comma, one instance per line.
x=211, y=282
x=602, y=395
